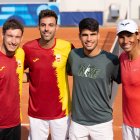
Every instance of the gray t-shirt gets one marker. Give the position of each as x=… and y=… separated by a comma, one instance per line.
x=92, y=86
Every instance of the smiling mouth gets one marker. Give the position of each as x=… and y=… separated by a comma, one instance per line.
x=13, y=46
x=46, y=35
x=126, y=46
x=89, y=44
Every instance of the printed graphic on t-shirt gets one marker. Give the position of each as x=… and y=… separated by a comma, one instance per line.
x=88, y=71
x=2, y=68
x=58, y=57
x=19, y=63
x=35, y=59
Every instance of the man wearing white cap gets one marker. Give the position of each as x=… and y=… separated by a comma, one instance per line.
x=128, y=38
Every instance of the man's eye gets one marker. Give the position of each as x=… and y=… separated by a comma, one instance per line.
x=84, y=34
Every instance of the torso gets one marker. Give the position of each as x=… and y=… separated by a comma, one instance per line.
x=49, y=93
x=130, y=71
x=93, y=78
x=11, y=71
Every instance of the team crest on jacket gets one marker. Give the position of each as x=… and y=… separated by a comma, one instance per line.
x=19, y=63
x=58, y=57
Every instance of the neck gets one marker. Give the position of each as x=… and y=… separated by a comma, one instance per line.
x=46, y=44
x=6, y=52
x=93, y=52
x=134, y=54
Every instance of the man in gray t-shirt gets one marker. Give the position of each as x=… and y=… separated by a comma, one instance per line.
x=94, y=71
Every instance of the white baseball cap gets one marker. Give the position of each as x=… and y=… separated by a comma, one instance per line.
x=127, y=25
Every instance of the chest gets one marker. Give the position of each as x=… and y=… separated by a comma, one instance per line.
x=8, y=67
x=43, y=59
x=130, y=71
x=94, y=68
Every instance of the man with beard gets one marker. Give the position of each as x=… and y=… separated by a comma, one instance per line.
x=49, y=100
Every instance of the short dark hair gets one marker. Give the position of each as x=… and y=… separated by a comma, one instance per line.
x=12, y=24
x=47, y=13
x=89, y=23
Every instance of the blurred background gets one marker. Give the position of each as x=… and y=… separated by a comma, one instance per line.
x=70, y=12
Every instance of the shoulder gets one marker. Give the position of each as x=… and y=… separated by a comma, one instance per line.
x=76, y=51
x=62, y=41
x=19, y=51
x=19, y=54
x=109, y=55
x=31, y=43
x=122, y=55
x=65, y=43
